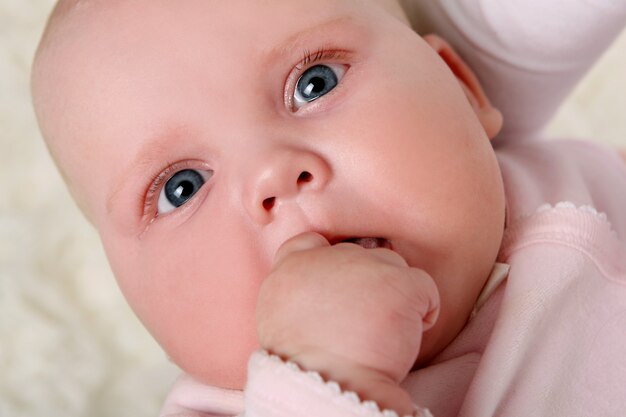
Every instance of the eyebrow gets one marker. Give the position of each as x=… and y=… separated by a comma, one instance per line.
x=149, y=155
x=152, y=150
x=300, y=40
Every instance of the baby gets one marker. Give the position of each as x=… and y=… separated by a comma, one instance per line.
x=315, y=181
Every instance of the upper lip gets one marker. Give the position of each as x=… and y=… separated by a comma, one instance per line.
x=334, y=239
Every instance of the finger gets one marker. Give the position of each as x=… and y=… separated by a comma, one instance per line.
x=303, y=241
x=385, y=255
x=389, y=256
x=425, y=293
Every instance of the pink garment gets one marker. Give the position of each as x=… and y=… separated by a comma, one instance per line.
x=549, y=338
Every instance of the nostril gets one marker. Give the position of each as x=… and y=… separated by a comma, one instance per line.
x=268, y=203
x=305, y=177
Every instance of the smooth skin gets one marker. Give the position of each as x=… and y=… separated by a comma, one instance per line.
x=369, y=344
x=127, y=92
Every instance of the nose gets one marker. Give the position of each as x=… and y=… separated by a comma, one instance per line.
x=282, y=176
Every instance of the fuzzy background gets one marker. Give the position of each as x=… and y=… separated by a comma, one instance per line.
x=69, y=345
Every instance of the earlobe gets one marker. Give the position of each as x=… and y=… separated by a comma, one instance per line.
x=489, y=116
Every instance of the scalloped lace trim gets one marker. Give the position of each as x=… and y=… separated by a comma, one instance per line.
x=523, y=231
x=334, y=388
x=570, y=205
x=584, y=208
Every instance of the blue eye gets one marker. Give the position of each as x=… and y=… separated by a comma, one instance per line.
x=179, y=189
x=316, y=82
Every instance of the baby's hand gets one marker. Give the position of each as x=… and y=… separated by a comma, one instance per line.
x=355, y=315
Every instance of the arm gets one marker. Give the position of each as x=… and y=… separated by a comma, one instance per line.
x=352, y=317
x=355, y=316
x=279, y=388
x=274, y=388
x=528, y=54
x=191, y=398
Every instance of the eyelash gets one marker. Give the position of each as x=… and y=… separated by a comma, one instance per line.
x=321, y=54
x=155, y=187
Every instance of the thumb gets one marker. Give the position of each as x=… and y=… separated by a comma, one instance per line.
x=303, y=241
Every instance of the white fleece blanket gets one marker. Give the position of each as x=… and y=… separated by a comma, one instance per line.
x=69, y=345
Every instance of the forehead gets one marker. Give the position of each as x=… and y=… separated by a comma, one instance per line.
x=141, y=56
x=216, y=20
x=214, y=14
x=97, y=41
x=106, y=52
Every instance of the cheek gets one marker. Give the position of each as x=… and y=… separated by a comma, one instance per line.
x=418, y=134
x=197, y=297
x=417, y=148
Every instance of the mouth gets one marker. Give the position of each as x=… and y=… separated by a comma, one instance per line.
x=369, y=242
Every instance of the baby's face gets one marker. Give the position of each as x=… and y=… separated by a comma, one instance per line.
x=198, y=140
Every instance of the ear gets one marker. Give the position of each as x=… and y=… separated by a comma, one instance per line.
x=489, y=116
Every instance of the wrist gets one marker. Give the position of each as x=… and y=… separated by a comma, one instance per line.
x=368, y=383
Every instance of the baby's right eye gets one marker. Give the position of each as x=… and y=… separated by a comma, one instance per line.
x=316, y=82
x=180, y=188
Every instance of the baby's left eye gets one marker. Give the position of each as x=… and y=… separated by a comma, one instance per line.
x=179, y=189
x=316, y=82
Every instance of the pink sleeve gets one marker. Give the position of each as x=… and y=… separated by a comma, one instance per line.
x=528, y=54
x=191, y=398
x=281, y=389
x=274, y=389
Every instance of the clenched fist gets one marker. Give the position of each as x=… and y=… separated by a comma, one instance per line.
x=355, y=315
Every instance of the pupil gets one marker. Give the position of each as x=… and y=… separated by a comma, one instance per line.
x=185, y=189
x=318, y=84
